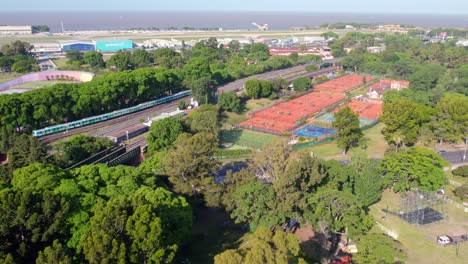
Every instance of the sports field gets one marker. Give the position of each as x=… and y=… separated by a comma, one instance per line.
x=38, y=84
x=420, y=240
x=327, y=119
x=236, y=139
x=285, y=116
x=343, y=84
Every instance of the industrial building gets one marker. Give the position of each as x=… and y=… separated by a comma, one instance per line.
x=114, y=45
x=15, y=30
x=82, y=46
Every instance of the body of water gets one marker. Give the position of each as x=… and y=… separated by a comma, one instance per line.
x=74, y=21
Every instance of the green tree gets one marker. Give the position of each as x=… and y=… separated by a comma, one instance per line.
x=348, y=132
x=74, y=56
x=425, y=77
x=462, y=192
x=141, y=58
x=294, y=57
x=16, y=48
x=254, y=203
x=163, y=133
x=41, y=28
x=259, y=51
x=451, y=119
x=205, y=119
x=302, y=176
x=25, y=150
x=340, y=211
x=31, y=214
x=55, y=254
x=94, y=59
x=189, y=164
x=264, y=247
x=24, y=66
x=122, y=60
x=230, y=102
x=367, y=180
x=330, y=34
x=415, y=168
x=401, y=121
x=203, y=89
x=234, y=45
x=301, y=84
x=379, y=248
x=196, y=68
x=78, y=148
x=253, y=88
x=167, y=58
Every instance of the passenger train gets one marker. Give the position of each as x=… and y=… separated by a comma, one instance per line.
x=103, y=117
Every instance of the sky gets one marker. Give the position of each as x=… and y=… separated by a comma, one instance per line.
x=354, y=6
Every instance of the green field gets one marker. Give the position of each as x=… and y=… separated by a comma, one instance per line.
x=8, y=76
x=420, y=241
x=38, y=84
x=246, y=138
x=376, y=146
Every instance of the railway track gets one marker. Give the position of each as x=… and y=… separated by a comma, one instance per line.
x=123, y=122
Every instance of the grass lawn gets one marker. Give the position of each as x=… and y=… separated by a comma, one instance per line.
x=376, y=146
x=245, y=138
x=60, y=62
x=8, y=76
x=256, y=104
x=420, y=241
x=39, y=84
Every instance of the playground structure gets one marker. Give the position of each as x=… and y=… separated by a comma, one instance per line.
x=344, y=83
x=72, y=76
x=285, y=116
x=421, y=207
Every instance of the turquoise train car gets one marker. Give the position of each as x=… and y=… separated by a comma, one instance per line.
x=103, y=117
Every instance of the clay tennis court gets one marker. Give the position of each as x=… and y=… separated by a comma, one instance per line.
x=343, y=84
x=369, y=110
x=284, y=116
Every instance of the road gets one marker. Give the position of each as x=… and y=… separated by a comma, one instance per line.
x=239, y=84
x=124, y=122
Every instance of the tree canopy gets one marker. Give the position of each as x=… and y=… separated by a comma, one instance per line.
x=264, y=246
x=348, y=132
x=416, y=167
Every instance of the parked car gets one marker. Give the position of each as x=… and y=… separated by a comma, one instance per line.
x=444, y=240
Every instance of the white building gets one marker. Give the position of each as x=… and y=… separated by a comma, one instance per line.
x=462, y=43
x=376, y=49
x=15, y=30
x=46, y=47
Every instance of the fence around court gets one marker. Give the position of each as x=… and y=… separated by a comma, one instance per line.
x=311, y=144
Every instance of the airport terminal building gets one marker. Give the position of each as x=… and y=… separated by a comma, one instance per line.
x=82, y=46
x=114, y=45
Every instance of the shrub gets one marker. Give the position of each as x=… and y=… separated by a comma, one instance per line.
x=462, y=192
x=181, y=105
x=461, y=171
